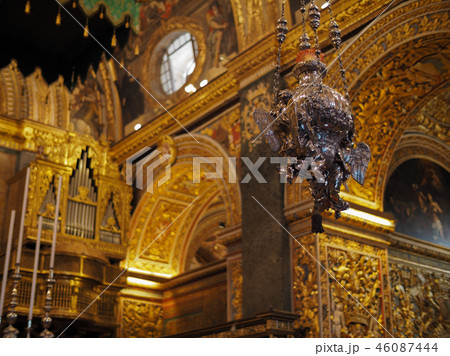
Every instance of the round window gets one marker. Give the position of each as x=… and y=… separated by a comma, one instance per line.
x=178, y=62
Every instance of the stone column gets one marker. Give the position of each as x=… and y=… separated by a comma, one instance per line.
x=265, y=245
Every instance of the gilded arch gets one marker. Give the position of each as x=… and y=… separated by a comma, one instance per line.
x=393, y=71
x=178, y=206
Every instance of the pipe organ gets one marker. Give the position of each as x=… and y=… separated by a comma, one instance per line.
x=94, y=213
x=95, y=200
x=82, y=199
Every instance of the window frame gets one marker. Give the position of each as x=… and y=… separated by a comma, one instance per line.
x=152, y=59
x=167, y=52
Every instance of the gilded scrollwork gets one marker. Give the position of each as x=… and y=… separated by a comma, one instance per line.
x=141, y=319
x=121, y=198
x=416, y=145
x=401, y=24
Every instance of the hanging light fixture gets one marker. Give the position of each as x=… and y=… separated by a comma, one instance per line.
x=27, y=7
x=313, y=123
x=58, y=17
x=86, y=28
x=136, y=48
x=114, y=39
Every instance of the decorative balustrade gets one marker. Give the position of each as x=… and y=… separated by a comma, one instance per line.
x=69, y=299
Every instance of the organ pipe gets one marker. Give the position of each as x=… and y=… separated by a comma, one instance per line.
x=81, y=205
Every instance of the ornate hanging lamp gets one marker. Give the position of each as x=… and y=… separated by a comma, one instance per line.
x=314, y=124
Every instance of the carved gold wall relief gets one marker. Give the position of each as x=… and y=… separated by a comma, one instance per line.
x=173, y=227
x=209, y=148
x=141, y=319
x=427, y=135
x=360, y=268
x=41, y=175
x=162, y=221
x=160, y=249
x=305, y=288
x=420, y=301
x=360, y=275
x=385, y=122
x=121, y=199
x=412, y=20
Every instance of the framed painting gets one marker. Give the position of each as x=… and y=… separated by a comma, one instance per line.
x=418, y=195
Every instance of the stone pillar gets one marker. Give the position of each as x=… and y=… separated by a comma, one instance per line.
x=265, y=245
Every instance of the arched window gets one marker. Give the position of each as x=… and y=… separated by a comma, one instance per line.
x=178, y=62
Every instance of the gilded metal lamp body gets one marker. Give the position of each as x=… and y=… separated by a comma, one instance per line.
x=315, y=125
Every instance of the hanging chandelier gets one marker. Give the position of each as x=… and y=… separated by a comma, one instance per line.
x=313, y=124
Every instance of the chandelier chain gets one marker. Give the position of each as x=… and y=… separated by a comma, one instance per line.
x=335, y=35
x=314, y=23
x=302, y=11
x=280, y=33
